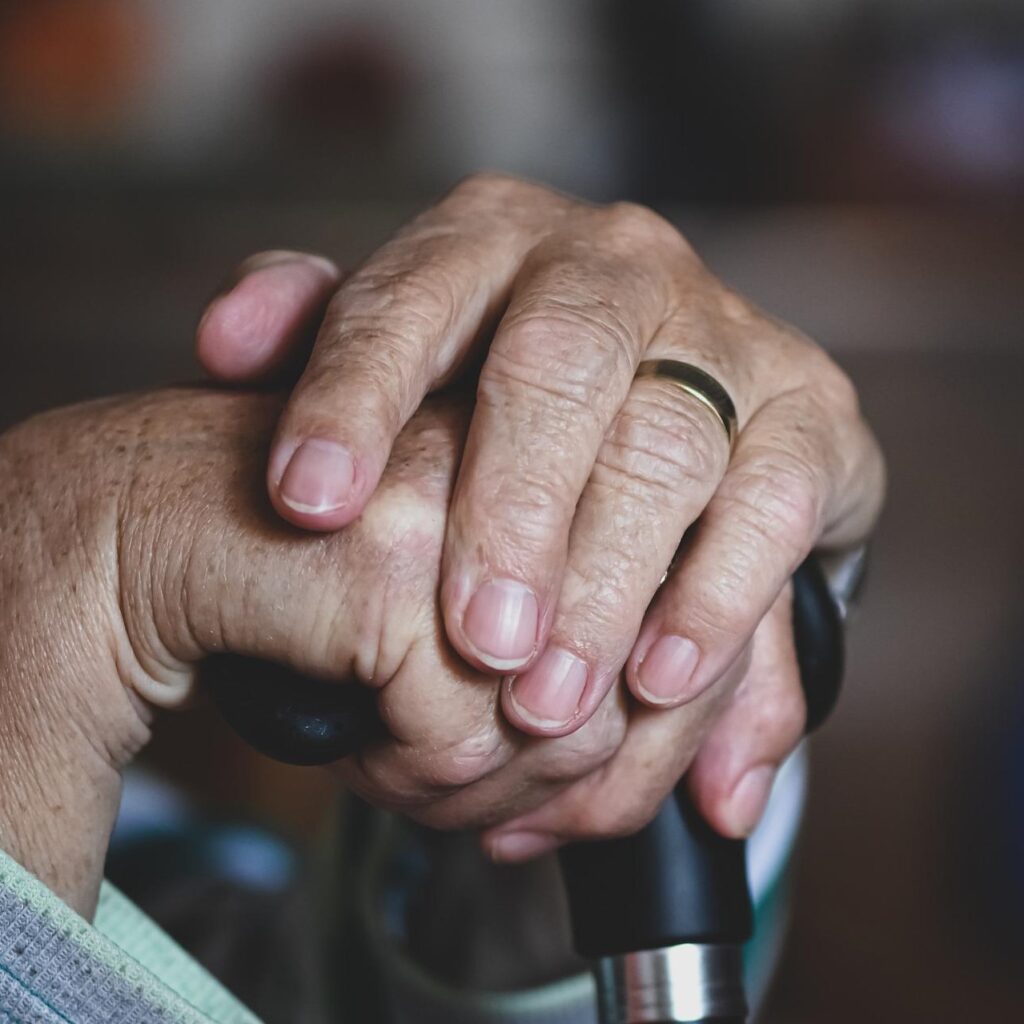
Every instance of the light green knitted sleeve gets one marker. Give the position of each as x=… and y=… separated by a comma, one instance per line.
x=56, y=966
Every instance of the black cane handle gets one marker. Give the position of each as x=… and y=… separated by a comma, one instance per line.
x=677, y=880
x=674, y=883
x=818, y=636
x=288, y=716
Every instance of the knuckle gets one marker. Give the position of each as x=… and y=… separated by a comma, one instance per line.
x=739, y=312
x=777, y=499
x=527, y=508
x=486, y=182
x=603, y=585
x=469, y=761
x=596, y=749
x=837, y=390
x=563, y=348
x=412, y=293
x=585, y=751
x=826, y=384
x=374, y=341
x=399, y=538
x=634, y=220
x=426, y=454
x=665, y=444
x=780, y=716
x=403, y=526
x=414, y=776
x=718, y=598
x=378, y=382
x=494, y=187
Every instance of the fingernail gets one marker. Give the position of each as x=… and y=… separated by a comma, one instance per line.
x=549, y=694
x=500, y=622
x=663, y=675
x=748, y=800
x=512, y=847
x=318, y=477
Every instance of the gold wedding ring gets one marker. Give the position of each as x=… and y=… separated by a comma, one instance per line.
x=698, y=384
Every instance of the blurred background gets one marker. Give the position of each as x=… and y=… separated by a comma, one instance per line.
x=855, y=167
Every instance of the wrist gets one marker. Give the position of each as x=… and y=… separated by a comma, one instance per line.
x=67, y=725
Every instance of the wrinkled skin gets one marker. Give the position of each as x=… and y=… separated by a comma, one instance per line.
x=578, y=481
x=133, y=542
x=136, y=535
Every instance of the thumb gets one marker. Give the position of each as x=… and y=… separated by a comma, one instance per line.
x=267, y=317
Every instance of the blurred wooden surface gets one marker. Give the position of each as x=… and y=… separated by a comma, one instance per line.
x=927, y=312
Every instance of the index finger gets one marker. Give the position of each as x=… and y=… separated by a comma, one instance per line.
x=398, y=327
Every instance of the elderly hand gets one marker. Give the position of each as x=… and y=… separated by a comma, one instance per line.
x=133, y=542
x=578, y=482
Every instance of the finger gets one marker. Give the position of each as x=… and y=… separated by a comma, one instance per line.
x=496, y=789
x=582, y=312
x=398, y=327
x=624, y=793
x=444, y=734
x=656, y=471
x=783, y=487
x=250, y=330
x=732, y=775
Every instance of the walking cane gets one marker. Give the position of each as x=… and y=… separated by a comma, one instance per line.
x=662, y=914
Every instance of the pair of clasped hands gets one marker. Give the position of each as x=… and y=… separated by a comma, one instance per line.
x=474, y=508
